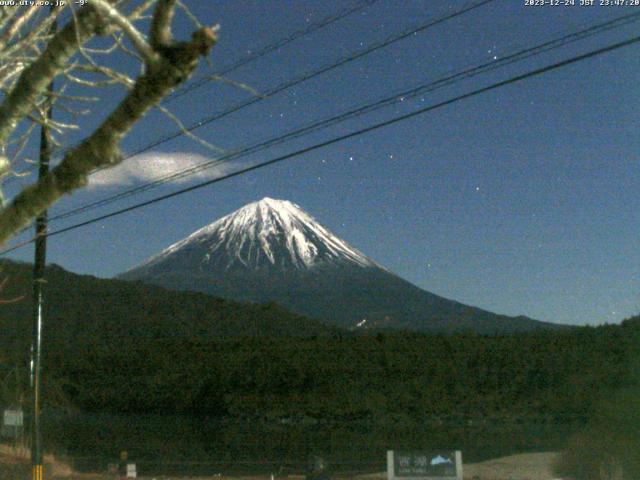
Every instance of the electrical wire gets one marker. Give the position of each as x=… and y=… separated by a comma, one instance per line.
x=273, y=47
x=310, y=75
x=307, y=76
x=304, y=77
x=377, y=126
x=389, y=100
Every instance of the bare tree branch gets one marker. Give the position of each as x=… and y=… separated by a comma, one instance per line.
x=140, y=11
x=149, y=54
x=161, y=24
x=5, y=166
x=17, y=25
x=100, y=149
x=3, y=283
x=188, y=133
x=37, y=76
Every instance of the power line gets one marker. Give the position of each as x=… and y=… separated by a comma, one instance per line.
x=309, y=75
x=377, y=126
x=275, y=46
x=303, y=78
x=389, y=100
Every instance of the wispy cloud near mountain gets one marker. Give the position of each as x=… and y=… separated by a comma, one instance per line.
x=148, y=167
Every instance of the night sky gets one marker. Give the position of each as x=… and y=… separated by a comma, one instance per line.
x=523, y=200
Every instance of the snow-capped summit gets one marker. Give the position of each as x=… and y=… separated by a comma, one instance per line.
x=267, y=234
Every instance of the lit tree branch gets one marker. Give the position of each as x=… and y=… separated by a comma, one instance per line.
x=176, y=61
x=36, y=77
x=113, y=15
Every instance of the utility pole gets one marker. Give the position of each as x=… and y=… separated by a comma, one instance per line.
x=38, y=286
x=40, y=260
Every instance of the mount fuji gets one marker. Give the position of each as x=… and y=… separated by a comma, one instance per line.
x=273, y=251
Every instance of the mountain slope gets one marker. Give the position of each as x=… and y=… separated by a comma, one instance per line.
x=272, y=250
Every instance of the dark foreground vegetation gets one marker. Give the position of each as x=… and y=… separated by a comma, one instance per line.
x=237, y=387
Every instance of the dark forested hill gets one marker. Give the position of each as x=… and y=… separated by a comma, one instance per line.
x=180, y=347
x=124, y=348
x=82, y=308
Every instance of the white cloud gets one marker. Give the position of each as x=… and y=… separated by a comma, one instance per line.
x=148, y=167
